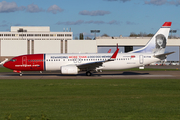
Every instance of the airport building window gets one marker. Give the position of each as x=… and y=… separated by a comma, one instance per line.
x=1, y=34
x=45, y=35
x=53, y=35
x=60, y=35
x=37, y=35
x=69, y=35
x=7, y=34
x=22, y=34
x=7, y=39
x=30, y=35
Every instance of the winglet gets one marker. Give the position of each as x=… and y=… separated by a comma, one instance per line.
x=115, y=53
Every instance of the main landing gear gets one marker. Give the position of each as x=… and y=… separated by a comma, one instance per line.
x=88, y=73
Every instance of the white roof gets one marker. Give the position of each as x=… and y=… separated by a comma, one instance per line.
x=31, y=28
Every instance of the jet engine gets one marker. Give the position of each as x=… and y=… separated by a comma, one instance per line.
x=69, y=70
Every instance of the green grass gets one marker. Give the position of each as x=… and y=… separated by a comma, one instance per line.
x=100, y=99
x=3, y=69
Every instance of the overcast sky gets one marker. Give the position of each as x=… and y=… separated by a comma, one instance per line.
x=113, y=17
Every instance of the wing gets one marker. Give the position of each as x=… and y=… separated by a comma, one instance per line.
x=90, y=66
x=93, y=65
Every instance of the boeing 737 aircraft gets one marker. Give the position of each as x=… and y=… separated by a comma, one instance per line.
x=73, y=63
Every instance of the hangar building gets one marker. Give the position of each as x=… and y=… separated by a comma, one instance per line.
x=31, y=40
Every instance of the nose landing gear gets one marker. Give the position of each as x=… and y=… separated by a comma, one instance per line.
x=17, y=71
x=20, y=74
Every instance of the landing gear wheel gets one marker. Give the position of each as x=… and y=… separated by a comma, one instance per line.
x=88, y=73
x=20, y=74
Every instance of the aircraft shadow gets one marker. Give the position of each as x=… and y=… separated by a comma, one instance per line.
x=114, y=74
x=80, y=74
x=125, y=73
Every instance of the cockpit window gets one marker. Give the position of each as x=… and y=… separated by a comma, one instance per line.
x=13, y=60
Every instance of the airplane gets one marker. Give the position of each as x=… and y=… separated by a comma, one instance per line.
x=73, y=63
x=109, y=51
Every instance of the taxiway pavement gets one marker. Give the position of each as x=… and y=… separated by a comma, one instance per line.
x=101, y=75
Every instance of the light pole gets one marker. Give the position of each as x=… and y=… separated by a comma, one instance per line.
x=95, y=31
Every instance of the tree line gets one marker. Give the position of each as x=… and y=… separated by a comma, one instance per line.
x=141, y=34
x=132, y=34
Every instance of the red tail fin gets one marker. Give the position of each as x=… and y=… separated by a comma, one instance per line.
x=167, y=24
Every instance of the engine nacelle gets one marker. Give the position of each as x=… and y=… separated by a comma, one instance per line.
x=69, y=70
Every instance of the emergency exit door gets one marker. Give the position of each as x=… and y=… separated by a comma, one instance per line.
x=141, y=59
x=24, y=60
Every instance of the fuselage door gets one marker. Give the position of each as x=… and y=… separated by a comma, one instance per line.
x=75, y=60
x=141, y=59
x=79, y=60
x=24, y=60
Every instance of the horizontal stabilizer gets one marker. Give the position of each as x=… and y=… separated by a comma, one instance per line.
x=4, y=61
x=165, y=54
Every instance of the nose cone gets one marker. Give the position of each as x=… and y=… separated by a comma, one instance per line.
x=7, y=65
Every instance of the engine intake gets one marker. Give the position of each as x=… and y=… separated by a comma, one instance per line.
x=69, y=70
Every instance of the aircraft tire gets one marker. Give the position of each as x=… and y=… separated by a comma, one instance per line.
x=88, y=73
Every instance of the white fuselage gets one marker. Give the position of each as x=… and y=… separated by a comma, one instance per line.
x=122, y=61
